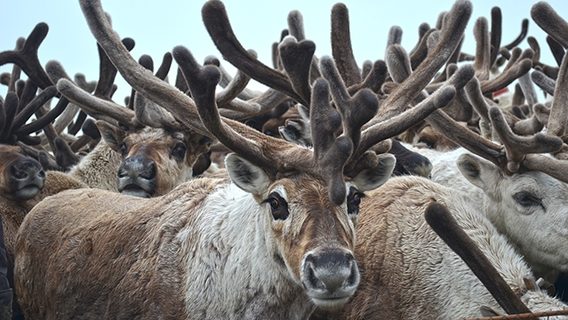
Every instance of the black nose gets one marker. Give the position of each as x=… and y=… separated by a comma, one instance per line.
x=137, y=167
x=330, y=272
x=26, y=170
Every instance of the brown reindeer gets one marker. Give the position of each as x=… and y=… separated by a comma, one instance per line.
x=271, y=243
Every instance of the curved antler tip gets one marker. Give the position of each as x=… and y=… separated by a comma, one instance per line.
x=64, y=85
x=129, y=43
x=339, y=7
x=213, y=5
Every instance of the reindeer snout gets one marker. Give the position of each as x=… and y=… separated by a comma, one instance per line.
x=330, y=277
x=137, y=176
x=26, y=178
x=137, y=166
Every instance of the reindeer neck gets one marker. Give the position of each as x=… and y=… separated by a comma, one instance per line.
x=98, y=168
x=232, y=273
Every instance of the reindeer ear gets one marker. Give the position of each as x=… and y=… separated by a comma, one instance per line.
x=479, y=172
x=246, y=175
x=370, y=179
x=111, y=134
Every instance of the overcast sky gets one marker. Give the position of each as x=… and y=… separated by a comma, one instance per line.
x=158, y=26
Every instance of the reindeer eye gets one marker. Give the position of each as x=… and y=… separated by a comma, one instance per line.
x=527, y=199
x=278, y=206
x=123, y=148
x=353, y=200
x=178, y=152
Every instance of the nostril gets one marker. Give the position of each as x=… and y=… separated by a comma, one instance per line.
x=122, y=172
x=150, y=172
x=17, y=173
x=312, y=278
x=41, y=174
x=354, y=276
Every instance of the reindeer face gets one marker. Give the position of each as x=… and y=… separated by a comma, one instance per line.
x=21, y=177
x=534, y=209
x=154, y=160
x=308, y=236
x=530, y=207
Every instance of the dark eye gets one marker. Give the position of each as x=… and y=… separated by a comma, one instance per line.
x=353, y=200
x=278, y=206
x=527, y=199
x=123, y=148
x=178, y=152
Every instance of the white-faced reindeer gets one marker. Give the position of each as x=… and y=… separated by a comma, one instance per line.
x=271, y=243
x=526, y=193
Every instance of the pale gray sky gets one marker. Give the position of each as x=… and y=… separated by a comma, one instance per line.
x=158, y=26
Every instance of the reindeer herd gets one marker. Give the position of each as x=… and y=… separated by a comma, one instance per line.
x=404, y=188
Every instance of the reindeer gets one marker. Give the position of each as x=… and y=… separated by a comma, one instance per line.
x=272, y=242
x=23, y=181
x=408, y=273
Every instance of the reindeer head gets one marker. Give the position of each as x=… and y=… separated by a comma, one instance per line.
x=21, y=177
x=155, y=160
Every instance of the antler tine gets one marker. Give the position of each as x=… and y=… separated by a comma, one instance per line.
x=556, y=49
x=559, y=110
x=477, y=100
x=43, y=120
x=38, y=101
x=107, y=71
x=10, y=110
x=16, y=70
x=482, y=63
x=341, y=48
x=76, y=126
x=297, y=58
x=549, y=21
x=517, y=147
x=226, y=78
x=219, y=28
x=543, y=81
x=395, y=36
x=496, y=32
x=2, y=116
x=533, y=124
x=252, y=145
x=233, y=88
x=296, y=25
x=374, y=79
x=355, y=111
x=445, y=225
x=398, y=63
x=98, y=108
x=533, y=43
x=165, y=66
x=527, y=86
x=296, y=28
x=450, y=37
x=179, y=104
x=517, y=66
x=27, y=57
x=521, y=36
x=330, y=153
x=420, y=51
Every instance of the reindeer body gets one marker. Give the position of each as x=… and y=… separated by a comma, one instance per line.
x=199, y=252
x=407, y=270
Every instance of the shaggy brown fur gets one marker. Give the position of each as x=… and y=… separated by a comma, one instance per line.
x=152, y=286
